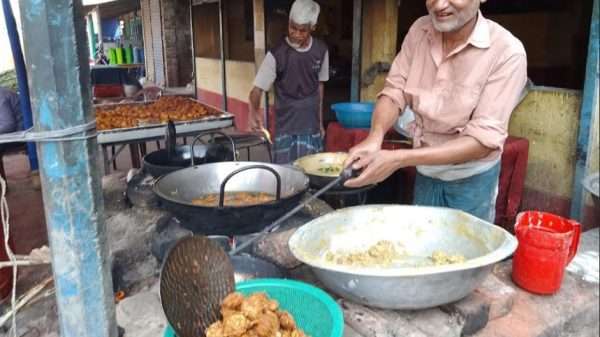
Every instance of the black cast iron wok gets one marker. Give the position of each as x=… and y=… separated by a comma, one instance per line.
x=175, y=157
x=178, y=189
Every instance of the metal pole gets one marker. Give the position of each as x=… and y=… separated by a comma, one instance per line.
x=57, y=57
x=193, y=37
x=356, y=51
x=15, y=43
x=588, y=106
x=97, y=18
x=222, y=46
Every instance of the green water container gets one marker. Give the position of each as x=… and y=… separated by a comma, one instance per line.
x=129, y=55
x=120, y=55
x=112, y=56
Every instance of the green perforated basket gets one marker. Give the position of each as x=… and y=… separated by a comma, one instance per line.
x=316, y=313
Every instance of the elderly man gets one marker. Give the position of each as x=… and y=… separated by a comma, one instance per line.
x=297, y=67
x=462, y=75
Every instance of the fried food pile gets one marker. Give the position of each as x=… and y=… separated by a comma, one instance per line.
x=164, y=109
x=383, y=253
x=254, y=316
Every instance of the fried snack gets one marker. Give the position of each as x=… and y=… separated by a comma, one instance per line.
x=225, y=312
x=215, y=330
x=267, y=324
x=164, y=109
x=272, y=305
x=250, y=333
x=287, y=321
x=233, y=301
x=235, y=325
x=254, y=316
x=254, y=305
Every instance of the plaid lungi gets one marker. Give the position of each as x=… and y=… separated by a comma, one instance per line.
x=291, y=147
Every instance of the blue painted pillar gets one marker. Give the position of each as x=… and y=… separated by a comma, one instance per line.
x=588, y=105
x=15, y=44
x=57, y=57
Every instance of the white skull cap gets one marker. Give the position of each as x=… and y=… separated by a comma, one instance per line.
x=305, y=12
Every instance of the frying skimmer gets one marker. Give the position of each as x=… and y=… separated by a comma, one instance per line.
x=197, y=274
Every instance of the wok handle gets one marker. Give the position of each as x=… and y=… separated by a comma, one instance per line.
x=212, y=133
x=170, y=139
x=251, y=167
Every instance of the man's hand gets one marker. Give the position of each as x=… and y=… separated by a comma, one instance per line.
x=322, y=131
x=256, y=122
x=377, y=165
x=368, y=146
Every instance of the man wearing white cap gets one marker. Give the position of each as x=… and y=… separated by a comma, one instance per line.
x=297, y=67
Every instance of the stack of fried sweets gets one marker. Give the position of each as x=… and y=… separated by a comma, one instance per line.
x=164, y=109
x=254, y=316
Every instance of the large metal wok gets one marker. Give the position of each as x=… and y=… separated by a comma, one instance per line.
x=407, y=284
x=176, y=191
x=176, y=157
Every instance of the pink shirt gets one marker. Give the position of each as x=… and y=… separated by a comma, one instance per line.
x=472, y=91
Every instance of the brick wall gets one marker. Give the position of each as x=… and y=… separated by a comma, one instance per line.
x=184, y=44
x=177, y=42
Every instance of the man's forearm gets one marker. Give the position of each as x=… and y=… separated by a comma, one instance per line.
x=456, y=151
x=384, y=116
x=255, y=97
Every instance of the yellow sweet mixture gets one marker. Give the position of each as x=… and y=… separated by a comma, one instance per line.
x=253, y=316
x=383, y=253
x=440, y=258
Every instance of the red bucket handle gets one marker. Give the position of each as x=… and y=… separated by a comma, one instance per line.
x=575, y=241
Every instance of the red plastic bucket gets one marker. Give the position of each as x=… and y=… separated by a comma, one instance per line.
x=547, y=243
x=6, y=274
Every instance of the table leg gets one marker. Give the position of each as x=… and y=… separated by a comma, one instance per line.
x=106, y=159
x=113, y=158
x=135, y=155
x=143, y=149
x=269, y=152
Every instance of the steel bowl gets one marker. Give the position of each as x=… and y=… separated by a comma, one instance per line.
x=410, y=283
x=312, y=163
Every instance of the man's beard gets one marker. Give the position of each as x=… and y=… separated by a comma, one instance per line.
x=294, y=44
x=459, y=20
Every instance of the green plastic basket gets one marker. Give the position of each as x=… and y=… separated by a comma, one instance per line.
x=316, y=313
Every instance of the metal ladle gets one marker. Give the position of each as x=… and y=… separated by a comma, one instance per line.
x=198, y=274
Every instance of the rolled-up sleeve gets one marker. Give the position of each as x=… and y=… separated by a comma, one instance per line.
x=396, y=79
x=498, y=99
